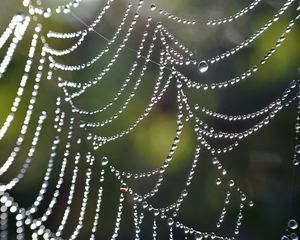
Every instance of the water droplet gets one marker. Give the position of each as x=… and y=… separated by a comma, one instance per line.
x=145, y=204
x=82, y=124
x=297, y=148
x=292, y=224
x=243, y=197
x=198, y=236
x=284, y=237
x=76, y=3
x=152, y=7
x=294, y=236
x=104, y=161
x=38, y=28
x=123, y=188
x=251, y=204
x=20, y=16
x=170, y=221
x=295, y=162
x=218, y=181
x=47, y=13
x=231, y=183
x=66, y=9
x=203, y=66
x=184, y=193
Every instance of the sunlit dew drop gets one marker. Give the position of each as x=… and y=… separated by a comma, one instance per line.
x=170, y=221
x=284, y=237
x=243, y=197
x=198, y=236
x=231, y=183
x=104, y=161
x=145, y=204
x=75, y=3
x=294, y=236
x=292, y=224
x=66, y=9
x=58, y=10
x=203, y=66
x=47, y=13
x=38, y=28
x=184, y=193
x=123, y=188
x=152, y=7
x=218, y=181
x=20, y=16
x=297, y=148
x=82, y=124
x=156, y=212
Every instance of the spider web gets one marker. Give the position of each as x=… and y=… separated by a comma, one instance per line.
x=65, y=173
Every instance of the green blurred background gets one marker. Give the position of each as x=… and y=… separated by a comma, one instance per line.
x=261, y=165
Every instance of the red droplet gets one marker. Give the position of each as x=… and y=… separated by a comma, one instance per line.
x=123, y=188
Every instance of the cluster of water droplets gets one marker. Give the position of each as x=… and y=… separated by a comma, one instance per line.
x=209, y=22
x=37, y=8
x=292, y=231
x=296, y=157
x=172, y=53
